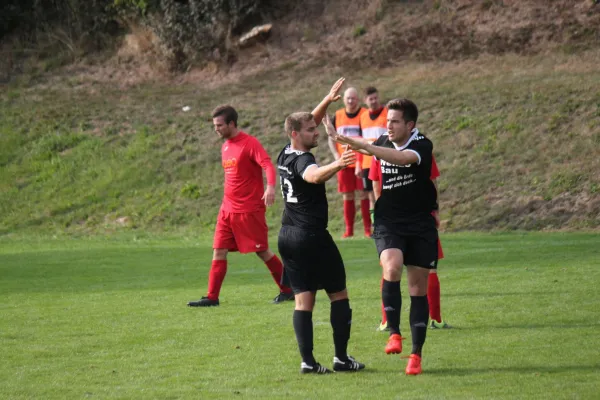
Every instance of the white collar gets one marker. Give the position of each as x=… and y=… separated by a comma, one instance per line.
x=414, y=132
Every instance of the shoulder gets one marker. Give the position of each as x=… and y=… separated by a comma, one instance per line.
x=251, y=139
x=381, y=140
x=420, y=140
x=363, y=113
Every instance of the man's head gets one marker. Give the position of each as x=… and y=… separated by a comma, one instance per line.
x=225, y=121
x=401, y=119
x=372, y=98
x=351, y=100
x=302, y=130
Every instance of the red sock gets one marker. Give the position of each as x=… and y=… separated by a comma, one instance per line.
x=218, y=269
x=383, y=314
x=366, y=215
x=349, y=214
x=433, y=296
x=276, y=268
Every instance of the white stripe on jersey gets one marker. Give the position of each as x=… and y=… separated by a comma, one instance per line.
x=415, y=132
x=349, y=130
x=373, y=133
x=306, y=169
x=418, y=155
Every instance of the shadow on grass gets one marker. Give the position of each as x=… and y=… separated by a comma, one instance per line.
x=531, y=369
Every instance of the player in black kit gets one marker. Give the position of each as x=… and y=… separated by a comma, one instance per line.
x=310, y=257
x=404, y=229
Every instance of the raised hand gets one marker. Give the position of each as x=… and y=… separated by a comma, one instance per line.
x=348, y=157
x=329, y=128
x=335, y=89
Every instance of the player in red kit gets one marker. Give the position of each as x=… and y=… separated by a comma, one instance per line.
x=433, y=287
x=241, y=224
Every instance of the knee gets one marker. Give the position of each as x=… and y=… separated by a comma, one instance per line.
x=348, y=196
x=265, y=255
x=343, y=295
x=392, y=269
x=220, y=254
x=304, y=301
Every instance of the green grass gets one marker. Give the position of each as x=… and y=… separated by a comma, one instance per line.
x=105, y=317
x=515, y=139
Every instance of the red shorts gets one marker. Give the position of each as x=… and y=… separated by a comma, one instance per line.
x=440, y=251
x=243, y=232
x=347, y=181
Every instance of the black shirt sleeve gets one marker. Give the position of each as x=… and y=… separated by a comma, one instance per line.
x=302, y=162
x=425, y=150
x=380, y=140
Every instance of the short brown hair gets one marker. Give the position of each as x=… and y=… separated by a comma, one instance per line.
x=294, y=121
x=228, y=112
x=370, y=90
x=408, y=108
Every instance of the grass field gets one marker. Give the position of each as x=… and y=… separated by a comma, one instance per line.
x=106, y=318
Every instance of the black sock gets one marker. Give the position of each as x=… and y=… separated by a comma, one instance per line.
x=341, y=322
x=392, y=303
x=303, y=327
x=419, y=315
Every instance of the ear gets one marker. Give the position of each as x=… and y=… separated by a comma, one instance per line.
x=411, y=125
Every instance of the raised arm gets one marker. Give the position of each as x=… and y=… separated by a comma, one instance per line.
x=319, y=112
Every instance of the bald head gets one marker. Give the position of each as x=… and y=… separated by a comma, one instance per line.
x=351, y=100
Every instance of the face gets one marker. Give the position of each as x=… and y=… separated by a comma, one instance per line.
x=372, y=101
x=351, y=100
x=398, y=130
x=308, y=136
x=223, y=130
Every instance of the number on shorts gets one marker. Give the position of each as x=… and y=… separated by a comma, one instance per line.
x=289, y=196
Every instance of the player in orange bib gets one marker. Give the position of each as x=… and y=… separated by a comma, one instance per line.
x=373, y=124
x=347, y=123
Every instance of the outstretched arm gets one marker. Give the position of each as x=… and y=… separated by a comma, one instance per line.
x=335, y=137
x=393, y=156
x=319, y=112
x=322, y=174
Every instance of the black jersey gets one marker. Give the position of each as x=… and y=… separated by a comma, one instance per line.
x=305, y=203
x=408, y=195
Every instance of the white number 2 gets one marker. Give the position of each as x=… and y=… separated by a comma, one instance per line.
x=290, y=191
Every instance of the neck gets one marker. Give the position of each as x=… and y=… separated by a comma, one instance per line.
x=351, y=111
x=402, y=141
x=376, y=109
x=298, y=146
x=234, y=133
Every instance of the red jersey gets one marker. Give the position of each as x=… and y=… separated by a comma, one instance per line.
x=244, y=159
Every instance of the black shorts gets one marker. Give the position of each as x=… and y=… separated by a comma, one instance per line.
x=367, y=183
x=419, y=250
x=311, y=260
